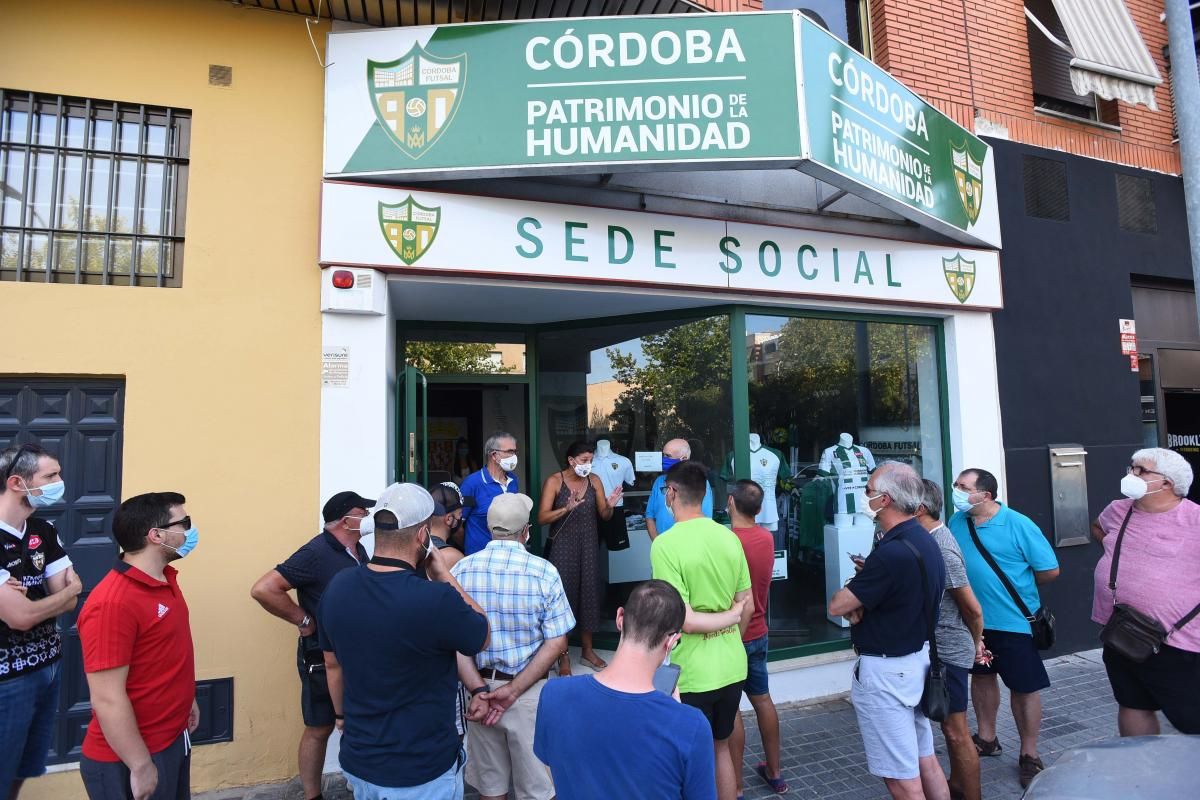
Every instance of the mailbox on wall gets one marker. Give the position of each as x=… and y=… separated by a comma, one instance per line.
x=1068, y=487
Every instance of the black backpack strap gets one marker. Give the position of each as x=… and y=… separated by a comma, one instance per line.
x=933, y=653
x=1024, y=609
x=1116, y=557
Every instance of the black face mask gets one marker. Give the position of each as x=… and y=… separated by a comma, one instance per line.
x=454, y=525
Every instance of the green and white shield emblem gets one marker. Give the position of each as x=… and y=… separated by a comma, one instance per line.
x=968, y=175
x=415, y=97
x=960, y=275
x=409, y=228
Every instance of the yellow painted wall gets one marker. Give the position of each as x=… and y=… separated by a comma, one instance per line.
x=222, y=392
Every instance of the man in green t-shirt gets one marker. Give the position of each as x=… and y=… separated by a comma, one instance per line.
x=706, y=563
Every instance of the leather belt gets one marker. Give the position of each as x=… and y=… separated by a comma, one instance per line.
x=492, y=674
x=858, y=652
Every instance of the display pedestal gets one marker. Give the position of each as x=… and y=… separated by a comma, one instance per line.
x=840, y=540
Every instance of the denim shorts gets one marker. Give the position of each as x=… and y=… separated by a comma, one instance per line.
x=756, y=667
x=28, y=708
x=447, y=786
x=956, y=683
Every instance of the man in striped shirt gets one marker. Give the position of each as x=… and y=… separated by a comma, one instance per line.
x=529, y=619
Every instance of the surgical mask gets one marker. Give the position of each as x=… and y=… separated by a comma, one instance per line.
x=508, y=464
x=51, y=493
x=1134, y=487
x=190, y=540
x=867, y=511
x=669, y=462
x=583, y=470
x=367, y=526
x=962, y=500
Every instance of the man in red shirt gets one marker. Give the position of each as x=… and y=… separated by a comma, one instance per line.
x=137, y=653
x=745, y=501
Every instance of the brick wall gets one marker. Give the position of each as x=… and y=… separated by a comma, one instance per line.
x=924, y=43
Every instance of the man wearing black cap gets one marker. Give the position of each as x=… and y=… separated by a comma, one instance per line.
x=309, y=571
x=447, y=522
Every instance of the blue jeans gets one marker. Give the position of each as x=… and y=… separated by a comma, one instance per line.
x=447, y=786
x=28, y=711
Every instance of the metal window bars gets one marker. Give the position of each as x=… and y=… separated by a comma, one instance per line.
x=136, y=237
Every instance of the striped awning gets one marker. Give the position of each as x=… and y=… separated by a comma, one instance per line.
x=388, y=13
x=1108, y=56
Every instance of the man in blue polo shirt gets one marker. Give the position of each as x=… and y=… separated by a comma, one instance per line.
x=891, y=609
x=482, y=487
x=659, y=518
x=1022, y=551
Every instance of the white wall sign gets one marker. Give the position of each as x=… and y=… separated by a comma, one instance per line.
x=335, y=366
x=648, y=461
x=413, y=230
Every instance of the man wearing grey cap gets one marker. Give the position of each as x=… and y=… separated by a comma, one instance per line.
x=530, y=618
x=391, y=637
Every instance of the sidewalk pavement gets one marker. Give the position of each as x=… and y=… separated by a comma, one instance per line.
x=823, y=755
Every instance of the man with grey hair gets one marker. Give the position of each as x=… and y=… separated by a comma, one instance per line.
x=892, y=604
x=37, y=583
x=1150, y=562
x=480, y=488
x=659, y=518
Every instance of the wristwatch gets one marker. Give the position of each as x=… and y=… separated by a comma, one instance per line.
x=479, y=690
x=304, y=622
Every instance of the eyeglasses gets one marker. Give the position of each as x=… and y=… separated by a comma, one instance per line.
x=678, y=638
x=186, y=522
x=665, y=487
x=16, y=459
x=511, y=451
x=1139, y=470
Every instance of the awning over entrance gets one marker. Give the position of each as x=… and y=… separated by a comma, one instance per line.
x=392, y=13
x=1109, y=57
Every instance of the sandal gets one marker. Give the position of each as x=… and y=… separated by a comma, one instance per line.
x=986, y=747
x=778, y=785
x=596, y=665
x=1029, y=767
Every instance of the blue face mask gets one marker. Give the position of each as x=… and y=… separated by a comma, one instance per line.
x=190, y=539
x=669, y=462
x=51, y=493
x=962, y=500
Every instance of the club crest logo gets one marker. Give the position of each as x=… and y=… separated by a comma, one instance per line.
x=614, y=465
x=409, y=228
x=968, y=175
x=38, y=560
x=960, y=275
x=762, y=461
x=415, y=97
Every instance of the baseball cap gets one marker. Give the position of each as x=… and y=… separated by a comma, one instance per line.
x=411, y=504
x=341, y=503
x=509, y=513
x=446, y=498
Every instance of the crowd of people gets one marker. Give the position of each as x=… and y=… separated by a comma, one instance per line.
x=442, y=656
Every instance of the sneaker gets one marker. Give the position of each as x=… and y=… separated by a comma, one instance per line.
x=1030, y=767
x=987, y=747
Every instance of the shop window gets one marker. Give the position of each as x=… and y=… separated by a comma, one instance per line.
x=1136, y=210
x=93, y=191
x=876, y=382
x=450, y=354
x=1046, y=195
x=637, y=386
x=1050, y=65
x=846, y=19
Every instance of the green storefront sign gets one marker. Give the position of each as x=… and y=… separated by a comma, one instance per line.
x=713, y=91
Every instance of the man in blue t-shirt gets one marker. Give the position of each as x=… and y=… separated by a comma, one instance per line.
x=612, y=734
x=480, y=488
x=390, y=637
x=659, y=518
x=1023, y=553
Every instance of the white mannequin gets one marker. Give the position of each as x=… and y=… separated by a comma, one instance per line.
x=755, y=441
x=764, y=470
x=612, y=468
x=850, y=465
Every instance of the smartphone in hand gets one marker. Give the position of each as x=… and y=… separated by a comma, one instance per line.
x=666, y=677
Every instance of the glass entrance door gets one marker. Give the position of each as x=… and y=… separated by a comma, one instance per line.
x=412, y=403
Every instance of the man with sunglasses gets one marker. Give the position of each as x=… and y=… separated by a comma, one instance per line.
x=138, y=656
x=37, y=583
x=611, y=734
x=309, y=571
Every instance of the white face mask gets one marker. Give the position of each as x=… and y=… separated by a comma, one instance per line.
x=1135, y=488
x=583, y=470
x=366, y=526
x=508, y=464
x=867, y=511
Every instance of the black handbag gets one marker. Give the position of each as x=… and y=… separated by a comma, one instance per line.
x=1041, y=624
x=614, y=532
x=935, y=697
x=1131, y=633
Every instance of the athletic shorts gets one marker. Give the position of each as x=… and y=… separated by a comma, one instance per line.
x=956, y=682
x=886, y=693
x=1015, y=660
x=720, y=707
x=756, y=667
x=1168, y=681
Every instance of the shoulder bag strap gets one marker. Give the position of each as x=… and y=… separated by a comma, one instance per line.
x=933, y=653
x=1116, y=557
x=1024, y=609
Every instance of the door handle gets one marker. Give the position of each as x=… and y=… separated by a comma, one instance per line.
x=412, y=453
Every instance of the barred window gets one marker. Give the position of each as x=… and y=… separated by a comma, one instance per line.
x=91, y=191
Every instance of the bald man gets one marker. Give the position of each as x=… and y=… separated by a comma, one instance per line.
x=659, y=518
